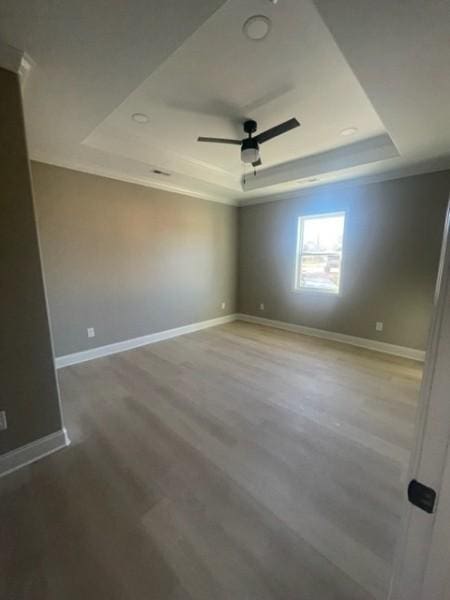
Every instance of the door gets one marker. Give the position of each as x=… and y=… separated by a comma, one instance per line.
x=423, y=563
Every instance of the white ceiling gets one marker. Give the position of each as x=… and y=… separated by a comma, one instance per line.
x=188, y=66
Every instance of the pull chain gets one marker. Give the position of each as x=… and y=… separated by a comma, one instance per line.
x=244, y=177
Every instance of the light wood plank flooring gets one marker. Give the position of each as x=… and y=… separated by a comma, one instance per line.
x=236, y=463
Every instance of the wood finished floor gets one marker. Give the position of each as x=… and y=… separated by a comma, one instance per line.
x=236, y=463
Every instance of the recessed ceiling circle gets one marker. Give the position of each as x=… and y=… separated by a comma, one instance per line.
x=139, y=118
x=257, y=28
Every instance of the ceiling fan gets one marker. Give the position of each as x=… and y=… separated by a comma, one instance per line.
x=250, y=145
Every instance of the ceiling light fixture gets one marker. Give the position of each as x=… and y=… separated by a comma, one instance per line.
x=139, y=118
x=257, y=28
x=349, y=131
x=249, y=151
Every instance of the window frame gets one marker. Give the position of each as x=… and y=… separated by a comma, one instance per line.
x=300, y=228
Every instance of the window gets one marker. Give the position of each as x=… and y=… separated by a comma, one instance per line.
x=319, y=252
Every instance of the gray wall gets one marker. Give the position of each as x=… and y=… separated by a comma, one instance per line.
x=392, y=241
x=130, y=260
x=28, y=383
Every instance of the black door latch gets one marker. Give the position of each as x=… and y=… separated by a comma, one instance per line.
x=422, y=496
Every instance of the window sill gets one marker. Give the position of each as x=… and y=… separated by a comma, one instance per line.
x=317, y=291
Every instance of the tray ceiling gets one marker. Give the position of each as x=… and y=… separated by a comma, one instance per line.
x=194, y=72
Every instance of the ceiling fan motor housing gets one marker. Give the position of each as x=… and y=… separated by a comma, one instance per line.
x=250, y=126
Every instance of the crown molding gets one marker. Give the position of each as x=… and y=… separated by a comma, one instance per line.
x=11, y=58
x=15, y=60
x=26, y=66
x=441, y=164
x=363, y=152
x=150, y=183
x=423, y=168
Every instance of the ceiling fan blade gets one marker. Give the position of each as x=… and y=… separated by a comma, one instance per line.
x=277, y=130
x=219, y=141
x=257, y=163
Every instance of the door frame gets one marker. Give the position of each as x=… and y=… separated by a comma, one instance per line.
x=419, y=570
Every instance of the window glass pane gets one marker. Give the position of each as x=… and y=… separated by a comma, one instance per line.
x=320, y=252
x=320, y=271
x=323, y=234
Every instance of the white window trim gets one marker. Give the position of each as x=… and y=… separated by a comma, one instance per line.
x=311, y=290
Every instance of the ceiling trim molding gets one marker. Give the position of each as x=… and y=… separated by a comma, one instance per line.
x=169, y=159
x=373, y=149
x=440, y=164
x=103, y=172
x=11, y=58
x=15, y=60
x=26, y=66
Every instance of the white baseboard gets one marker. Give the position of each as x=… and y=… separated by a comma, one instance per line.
x=25, y=455
x=338, y=337
x=78, y=357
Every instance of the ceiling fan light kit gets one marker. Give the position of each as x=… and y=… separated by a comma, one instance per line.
x=249, y=147
x=249, y=153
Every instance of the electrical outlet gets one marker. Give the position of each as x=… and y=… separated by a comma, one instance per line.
x=223, y=305
x=261, y=306
x=91, y=332
x=3, y=422
x=379, y=326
